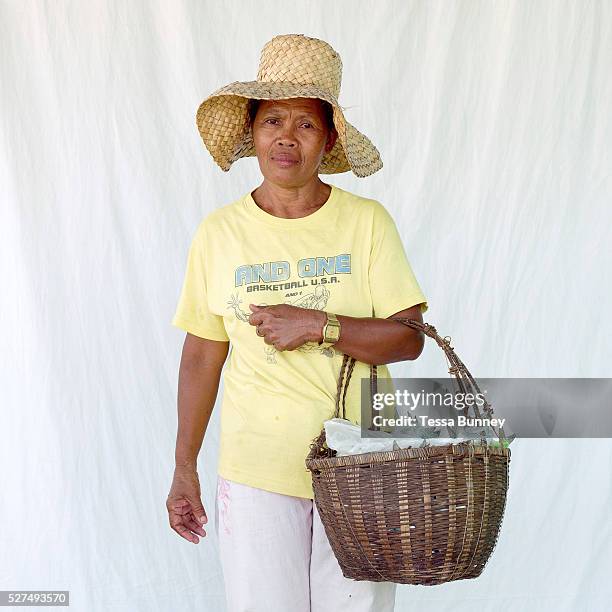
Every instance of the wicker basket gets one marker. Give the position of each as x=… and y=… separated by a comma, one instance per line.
x=412, y=516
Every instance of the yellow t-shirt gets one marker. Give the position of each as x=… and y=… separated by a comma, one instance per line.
x=347, y=258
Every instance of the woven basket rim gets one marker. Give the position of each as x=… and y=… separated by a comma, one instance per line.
x=375, y=457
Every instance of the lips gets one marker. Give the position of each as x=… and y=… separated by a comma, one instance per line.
x=284, y=158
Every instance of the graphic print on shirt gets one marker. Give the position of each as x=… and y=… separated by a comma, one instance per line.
x=315, y=278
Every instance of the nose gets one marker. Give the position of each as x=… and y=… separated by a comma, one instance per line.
x=286, y=138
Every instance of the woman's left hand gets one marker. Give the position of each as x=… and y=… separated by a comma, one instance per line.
x=287, y=327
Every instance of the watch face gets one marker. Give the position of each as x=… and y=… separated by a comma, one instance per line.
x=333, y=333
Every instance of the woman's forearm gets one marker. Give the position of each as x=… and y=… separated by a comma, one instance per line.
x=372, y=340
x=197, y=392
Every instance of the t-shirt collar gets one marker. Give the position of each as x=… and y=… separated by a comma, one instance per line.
x=321, y=216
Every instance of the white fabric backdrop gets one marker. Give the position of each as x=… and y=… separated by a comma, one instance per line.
x=494, y=124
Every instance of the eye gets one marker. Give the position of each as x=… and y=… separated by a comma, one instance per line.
x=269, y=119
x=308, y=124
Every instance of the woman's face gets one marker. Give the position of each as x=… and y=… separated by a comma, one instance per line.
x=291, y=137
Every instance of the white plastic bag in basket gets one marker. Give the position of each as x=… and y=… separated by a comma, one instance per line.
x=345, y=438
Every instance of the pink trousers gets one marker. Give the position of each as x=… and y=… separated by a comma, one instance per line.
x=276, y=557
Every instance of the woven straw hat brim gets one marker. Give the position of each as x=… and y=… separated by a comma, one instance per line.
x=223, y=122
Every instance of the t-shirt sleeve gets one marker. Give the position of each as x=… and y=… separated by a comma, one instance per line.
x=192, y=312
x=393, y=285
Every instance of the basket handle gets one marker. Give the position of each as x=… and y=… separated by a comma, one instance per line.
x=466, y=382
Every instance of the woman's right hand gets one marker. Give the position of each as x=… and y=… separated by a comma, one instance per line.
x=185, y=510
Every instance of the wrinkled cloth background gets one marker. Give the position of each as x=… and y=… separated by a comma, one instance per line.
x=494, y=123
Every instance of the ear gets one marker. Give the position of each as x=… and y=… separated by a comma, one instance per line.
x=331, y=140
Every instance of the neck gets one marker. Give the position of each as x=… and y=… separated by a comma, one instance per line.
x=291, y=202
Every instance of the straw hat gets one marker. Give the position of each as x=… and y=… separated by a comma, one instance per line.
x=290, y=66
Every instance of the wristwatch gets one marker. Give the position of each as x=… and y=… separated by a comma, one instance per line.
x=331, y=331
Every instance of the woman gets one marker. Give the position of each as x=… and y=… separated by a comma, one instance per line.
x=295, y=274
